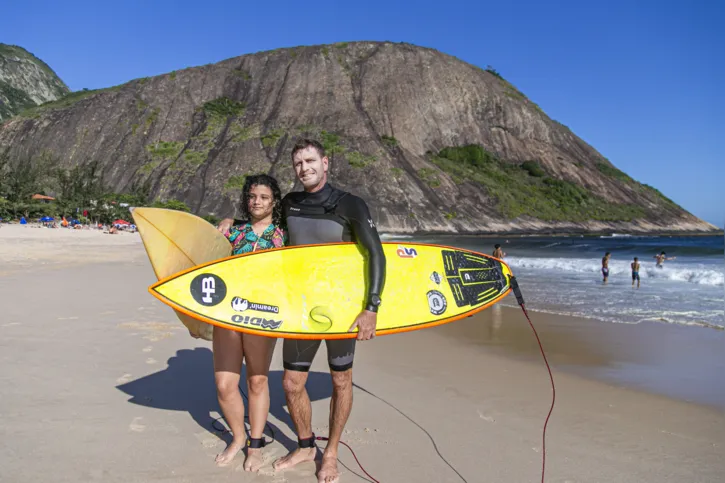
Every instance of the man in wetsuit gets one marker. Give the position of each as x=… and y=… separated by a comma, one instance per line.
x=324, y=214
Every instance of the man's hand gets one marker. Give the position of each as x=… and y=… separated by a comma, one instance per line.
x=225, y=225
x=365, y=322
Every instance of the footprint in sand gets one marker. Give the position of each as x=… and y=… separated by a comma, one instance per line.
x=124, y=379
x=208, y=441
x=148, y=349
x=151, y=360
x=136, y=425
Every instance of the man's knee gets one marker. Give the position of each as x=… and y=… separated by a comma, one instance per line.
x=342, y=380
x=294, y=381
x=257, y=384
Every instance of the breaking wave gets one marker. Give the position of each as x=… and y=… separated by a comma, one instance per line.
x=697, y=274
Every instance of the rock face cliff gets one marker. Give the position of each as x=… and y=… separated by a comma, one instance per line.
x=25, y=81
x=432, y=143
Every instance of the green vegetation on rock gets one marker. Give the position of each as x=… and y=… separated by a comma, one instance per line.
x=165, y=149
x=235, y=183
x=429, y=176
x=359, y=160
x=331, y=143
x=613, y=172
x=172, y=205
x=223, y=107
x=519, y=193
x=17, y=100
x=389, y=141
x=270, y=139
x=533, y=168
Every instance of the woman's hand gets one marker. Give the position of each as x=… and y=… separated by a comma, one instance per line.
x=225, y=225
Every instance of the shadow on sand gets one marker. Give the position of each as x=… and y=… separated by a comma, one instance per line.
x=187, y=384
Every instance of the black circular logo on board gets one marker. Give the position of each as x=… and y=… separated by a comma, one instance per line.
x=437, y=302
x=208, y=289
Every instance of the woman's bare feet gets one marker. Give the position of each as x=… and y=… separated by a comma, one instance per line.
x=226, y=456
x=300, y=455
x=254, y=460
x=328, y=470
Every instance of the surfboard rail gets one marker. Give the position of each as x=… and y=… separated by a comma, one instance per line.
x=506, y=273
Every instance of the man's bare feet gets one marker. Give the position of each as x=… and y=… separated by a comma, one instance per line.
x=328, y=470
x=226, y=456
x=254, y=459
x=300, y=455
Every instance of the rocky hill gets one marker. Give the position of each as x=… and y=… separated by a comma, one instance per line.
x=432, y=143
x=25, y=81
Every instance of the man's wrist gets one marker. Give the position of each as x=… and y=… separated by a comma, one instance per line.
x=373, y=303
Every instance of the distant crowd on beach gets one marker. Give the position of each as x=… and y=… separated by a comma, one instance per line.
x=49, y=222
x=635, y=266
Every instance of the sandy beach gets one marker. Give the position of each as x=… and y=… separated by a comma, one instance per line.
x=100, y=382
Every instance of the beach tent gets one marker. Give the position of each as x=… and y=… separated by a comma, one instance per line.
x=22, y=221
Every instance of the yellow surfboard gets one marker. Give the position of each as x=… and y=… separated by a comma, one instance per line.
x=316, y=291
x=177, y=241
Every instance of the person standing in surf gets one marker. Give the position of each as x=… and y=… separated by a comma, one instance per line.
x=498, y=251
x=660, y=259
x=635, y=272
x=259, y=229
x=605, y=267
x=324, y=214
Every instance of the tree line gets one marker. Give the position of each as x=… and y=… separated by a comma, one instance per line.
x=76, y=190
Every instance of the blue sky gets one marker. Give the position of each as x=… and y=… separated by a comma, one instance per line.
x=641, y=81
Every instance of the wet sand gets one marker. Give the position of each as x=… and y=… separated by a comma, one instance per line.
x=686, y=363
x=102, y=383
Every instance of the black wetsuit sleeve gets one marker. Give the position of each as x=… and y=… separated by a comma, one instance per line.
x=356, y=212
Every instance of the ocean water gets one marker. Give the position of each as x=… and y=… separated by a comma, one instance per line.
x=562, y=275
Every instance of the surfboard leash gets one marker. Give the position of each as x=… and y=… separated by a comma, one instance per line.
x=520, y=301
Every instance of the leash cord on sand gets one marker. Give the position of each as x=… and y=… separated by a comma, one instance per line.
x=520, y=300
x=318, y=438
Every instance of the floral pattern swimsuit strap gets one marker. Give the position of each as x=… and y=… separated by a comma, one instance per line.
x=244, y=240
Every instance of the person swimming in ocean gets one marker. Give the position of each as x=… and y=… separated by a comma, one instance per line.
x=635, y=272
x=605, y=267
x=661, y=259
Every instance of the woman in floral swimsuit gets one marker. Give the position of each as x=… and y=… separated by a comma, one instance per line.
x=262, y=211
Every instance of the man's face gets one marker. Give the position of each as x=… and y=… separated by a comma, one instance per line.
x=310, y=168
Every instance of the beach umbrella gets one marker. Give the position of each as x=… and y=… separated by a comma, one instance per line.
x=121, y=222
x=47, y=218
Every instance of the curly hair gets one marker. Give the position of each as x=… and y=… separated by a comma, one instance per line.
x=262, y=180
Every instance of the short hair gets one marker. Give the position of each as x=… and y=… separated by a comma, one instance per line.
x=606, y=254
x=306, y=143
x=497, y=245
x=635, y=259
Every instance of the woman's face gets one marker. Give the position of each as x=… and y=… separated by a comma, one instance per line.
x=261, y=202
